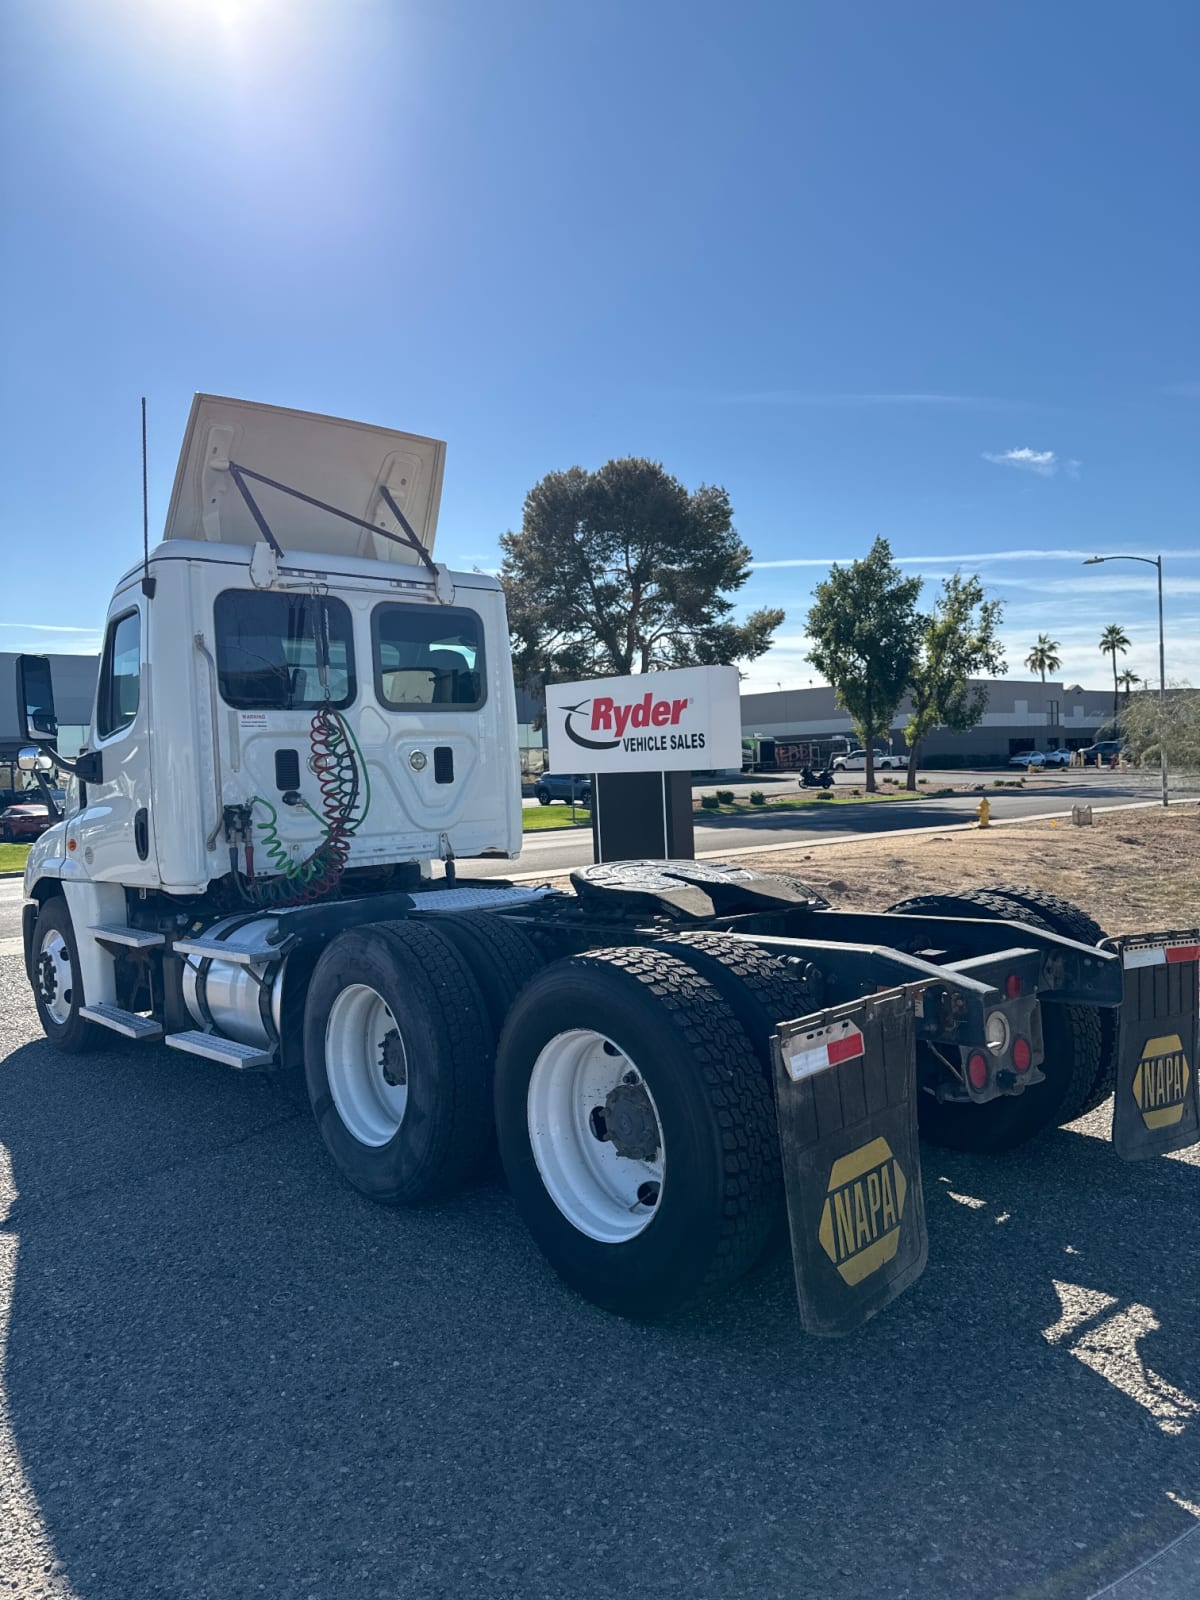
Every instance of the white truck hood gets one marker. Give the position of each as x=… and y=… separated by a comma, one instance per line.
x=345, y=464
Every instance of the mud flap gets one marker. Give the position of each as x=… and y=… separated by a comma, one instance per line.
x=1157, y=1101
x=845, y=1087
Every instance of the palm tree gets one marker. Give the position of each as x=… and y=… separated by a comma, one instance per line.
x=1112, y=640
x=1044, y=657
x=1127, y=679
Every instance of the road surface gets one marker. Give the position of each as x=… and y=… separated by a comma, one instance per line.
x=226, y=1374
x=560, y=850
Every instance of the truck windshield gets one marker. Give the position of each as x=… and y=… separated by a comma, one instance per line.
x=428, y=656
x=282, y=652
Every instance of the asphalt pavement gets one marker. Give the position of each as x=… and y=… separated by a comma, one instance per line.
x=558, y=850
x=226, y=1374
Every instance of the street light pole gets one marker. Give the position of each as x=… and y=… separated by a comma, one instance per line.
x=1152, y=561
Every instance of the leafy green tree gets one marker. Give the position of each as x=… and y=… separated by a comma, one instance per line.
x=624, y=570
x=959, y=641
x=1044, y=656
x=865, y=631
x=1112, y=641
x=1148, y=725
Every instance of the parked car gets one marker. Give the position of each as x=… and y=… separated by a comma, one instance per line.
x=18, y=823
x=564, y=786
x=1058, y=758
x=1099, y=755
x=1027, y=758
x=856, y=761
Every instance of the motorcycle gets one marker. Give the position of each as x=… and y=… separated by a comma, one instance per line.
x=816, y=780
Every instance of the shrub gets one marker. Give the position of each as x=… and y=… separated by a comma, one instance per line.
x=709, y=802
x=856, y=791
x=824, y=794
x=757, y=797
x=725, y=797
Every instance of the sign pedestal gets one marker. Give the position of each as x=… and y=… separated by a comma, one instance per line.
x=642, y=815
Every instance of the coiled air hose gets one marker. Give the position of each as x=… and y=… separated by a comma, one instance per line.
x=345, y=785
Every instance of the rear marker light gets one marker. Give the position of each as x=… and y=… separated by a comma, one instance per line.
x=1022, y=1055
x=977, y=1071
x=1012, y=985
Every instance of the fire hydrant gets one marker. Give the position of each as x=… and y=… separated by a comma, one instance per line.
x=984, y=811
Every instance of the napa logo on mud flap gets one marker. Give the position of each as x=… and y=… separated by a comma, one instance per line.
x=1161, y=1080
x=864, y=1206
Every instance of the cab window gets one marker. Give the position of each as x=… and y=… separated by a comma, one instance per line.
x=283, y=652
x=428, y=656
x=120, y=675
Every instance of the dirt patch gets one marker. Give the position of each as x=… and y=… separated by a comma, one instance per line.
x=1133, y=870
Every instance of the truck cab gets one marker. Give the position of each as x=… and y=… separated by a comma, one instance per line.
x=218, y=653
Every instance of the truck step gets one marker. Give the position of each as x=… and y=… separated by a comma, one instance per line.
x=136, y=938
x=213, y=1047
x=128, y=1023
x=220, y=950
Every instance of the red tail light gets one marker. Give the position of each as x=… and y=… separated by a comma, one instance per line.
x=977, y=1070
x=1012, y=985
x=1022, y=1055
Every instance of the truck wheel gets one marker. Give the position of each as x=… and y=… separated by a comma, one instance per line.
x=1057, y=915
x=637, y=1131
x=502, y=957
x=1072, y=1043
x=762, y=990
x=57, y=986
x=398, y=1053
x=543, y=796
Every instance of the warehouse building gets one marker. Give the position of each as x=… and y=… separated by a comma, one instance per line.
x=1022, y=714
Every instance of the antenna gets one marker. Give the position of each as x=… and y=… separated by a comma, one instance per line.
x=148, y=583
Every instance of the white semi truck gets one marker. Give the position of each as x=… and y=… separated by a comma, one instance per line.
x=299, y=713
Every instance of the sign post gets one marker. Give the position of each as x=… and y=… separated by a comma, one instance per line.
x=642, y=737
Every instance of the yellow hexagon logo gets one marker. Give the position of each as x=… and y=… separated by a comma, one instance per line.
x=1160, y=1081
x=864, y=1205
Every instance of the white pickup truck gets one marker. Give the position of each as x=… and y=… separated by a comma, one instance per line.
x=856, y=761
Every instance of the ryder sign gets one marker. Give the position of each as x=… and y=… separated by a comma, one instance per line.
x=654, y=722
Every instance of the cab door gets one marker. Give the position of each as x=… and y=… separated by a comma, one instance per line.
x=111, y=837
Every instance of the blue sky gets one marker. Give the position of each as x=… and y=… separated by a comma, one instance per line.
x=927, y=270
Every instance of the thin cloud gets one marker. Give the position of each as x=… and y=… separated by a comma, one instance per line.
x=45, y=627
x=1044, y=463
x=1186, y=391
x=805, y=397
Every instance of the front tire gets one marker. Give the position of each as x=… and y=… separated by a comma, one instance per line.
x=543, y=797
x=637, y=1131
x=57, y=984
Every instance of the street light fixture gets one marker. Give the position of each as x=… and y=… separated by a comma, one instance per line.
x=1152, y=561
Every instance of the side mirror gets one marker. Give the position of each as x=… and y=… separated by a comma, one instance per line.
x=31, y=759
x=35, y=699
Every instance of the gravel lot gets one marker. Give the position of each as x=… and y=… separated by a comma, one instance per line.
x=225, y=1374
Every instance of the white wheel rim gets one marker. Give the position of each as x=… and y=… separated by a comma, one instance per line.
x=55, y=979
x=607, y=1195
x=369, y=1092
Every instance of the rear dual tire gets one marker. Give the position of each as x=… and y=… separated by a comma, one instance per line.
x=633, y=1050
